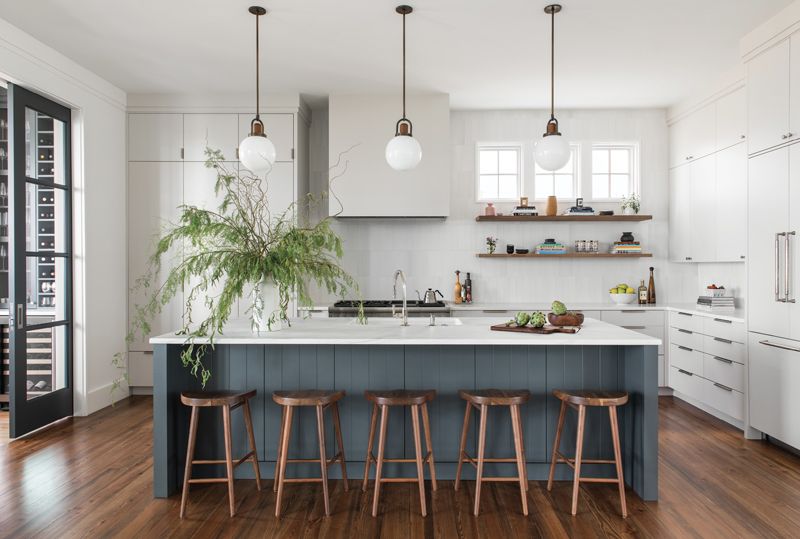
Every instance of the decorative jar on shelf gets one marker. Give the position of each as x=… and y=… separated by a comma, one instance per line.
x=489, y=210
x=551, y=209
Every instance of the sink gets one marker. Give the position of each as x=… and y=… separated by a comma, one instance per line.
x=412, y=322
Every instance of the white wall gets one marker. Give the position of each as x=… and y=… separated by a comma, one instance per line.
x=99, y=204
x=431, y=250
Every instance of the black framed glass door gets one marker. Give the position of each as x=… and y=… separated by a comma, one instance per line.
x=40, y=261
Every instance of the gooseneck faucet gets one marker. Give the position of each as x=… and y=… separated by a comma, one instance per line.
x=399, y=273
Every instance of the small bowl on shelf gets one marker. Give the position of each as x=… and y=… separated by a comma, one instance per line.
x=570, y=319
x=623, y=299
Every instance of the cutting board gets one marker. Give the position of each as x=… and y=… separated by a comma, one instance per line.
x=546, y=330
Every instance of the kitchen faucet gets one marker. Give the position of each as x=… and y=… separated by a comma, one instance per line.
x=404, y=315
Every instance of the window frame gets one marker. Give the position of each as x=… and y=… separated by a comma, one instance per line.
x=517, y=146
x=577, y=182
x=634, y=183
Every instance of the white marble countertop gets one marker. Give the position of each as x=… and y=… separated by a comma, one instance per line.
x=448, y=331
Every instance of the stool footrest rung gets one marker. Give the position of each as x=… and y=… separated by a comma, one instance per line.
x=598, y=480
x=471, y=460
x=425, y=459
x=209, y=480
x=302, y=480
x=333, y=460
x=399, y=480
x=223, y=461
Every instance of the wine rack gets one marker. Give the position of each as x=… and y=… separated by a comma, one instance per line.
x=45, y=214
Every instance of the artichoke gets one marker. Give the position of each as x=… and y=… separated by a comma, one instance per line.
x=559, y=308
x=538, y=319
x=522, y=319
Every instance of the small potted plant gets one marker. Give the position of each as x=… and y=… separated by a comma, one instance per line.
x=491, y=244
x=631, y=205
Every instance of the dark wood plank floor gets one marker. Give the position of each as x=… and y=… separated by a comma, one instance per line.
x=91, y=477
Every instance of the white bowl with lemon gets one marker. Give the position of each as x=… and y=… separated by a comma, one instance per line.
x=622, y=294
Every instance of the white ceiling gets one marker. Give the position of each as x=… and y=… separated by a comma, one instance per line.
x=484, y=53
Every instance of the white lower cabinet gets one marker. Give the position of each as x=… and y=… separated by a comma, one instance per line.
x=140, y=369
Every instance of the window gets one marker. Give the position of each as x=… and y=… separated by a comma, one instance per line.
x=613, y=171
x=563, y=183
x=499, y=172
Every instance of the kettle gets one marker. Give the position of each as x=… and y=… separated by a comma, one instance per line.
x=430, y=296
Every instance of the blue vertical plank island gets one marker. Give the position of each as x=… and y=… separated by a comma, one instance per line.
x=342, y=354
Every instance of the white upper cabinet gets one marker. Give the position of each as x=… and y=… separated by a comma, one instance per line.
x=694, y=136
x=768, y=97
x=216, y=131
x=702, y=191
x=279, y=128
x=731, y=119
x=730, y=204
x=680, y=215
x=155, y=137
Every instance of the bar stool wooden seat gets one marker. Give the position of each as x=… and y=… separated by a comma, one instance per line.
x=321, y=400
x=481, y=400
x=416, y=399
x=579, y=400
x=227, y=400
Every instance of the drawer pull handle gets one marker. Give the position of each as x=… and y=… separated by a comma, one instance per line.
x=496, y=311
x=633, y=327
x=633, y=311
x=722, y=359
x=686, y=331
x=148, y=352
x=687, y=373
x=723, y=321
x=781, y=346
x=316, y=310
x=684, y=348
x=684, y=314
x=726, y=388
x=726, y=341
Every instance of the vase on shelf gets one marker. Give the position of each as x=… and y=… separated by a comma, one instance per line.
x=627, y=210
x=551, y=209
x=489, y=211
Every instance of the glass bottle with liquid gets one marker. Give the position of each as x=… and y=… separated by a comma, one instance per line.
x=642, y=294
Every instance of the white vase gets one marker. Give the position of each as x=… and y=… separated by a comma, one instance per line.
x=266, y=305
x=628, y=211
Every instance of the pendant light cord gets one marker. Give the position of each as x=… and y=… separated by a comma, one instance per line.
x=404, y=65
x=258, y=73
x=552, y=63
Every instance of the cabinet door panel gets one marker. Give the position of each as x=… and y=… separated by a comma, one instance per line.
x=768, y=214
x=680, y=217
x=794, y=240
x=216, y=131
x=730, y=204
x=154, y=193
x=701, y=127
x=702, y=193
x=794, y=86
x=155, y=137
x=279, y=128
x=768, y=98
x=731, y=119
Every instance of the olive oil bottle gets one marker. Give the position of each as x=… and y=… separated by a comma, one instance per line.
x=642, y=294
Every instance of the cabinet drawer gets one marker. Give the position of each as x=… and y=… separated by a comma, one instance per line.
x=723, y=371
x=717, y=346
x=634, y=317
x=718, y=327
x=687, y=383
x=594, y=315
x=487, y=313
x=685, y=337
x=652, y=331
x=726, y=400
x=140, y=369
x=686, y=320
x=686, y=359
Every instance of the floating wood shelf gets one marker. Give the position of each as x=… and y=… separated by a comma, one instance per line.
x=568, y=255
x=565, y=218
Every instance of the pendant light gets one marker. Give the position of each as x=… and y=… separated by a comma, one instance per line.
x=256, y=152
x=403, y=152
x=552, y=152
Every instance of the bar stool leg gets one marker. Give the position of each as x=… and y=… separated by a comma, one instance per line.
x=612, y=414
x=462, y=447
x=576, y=485
x=277, y=475
x=517, y=428
x=226, y=421
x=368, y=461
x=337, y=429
x=522, y=444
x=248, y=423
x=418, y=447
x=379, y=464
x=286, y=432
x=561, y=415
x=481, y=452
x=426, y=425
x=187, y=474
x=323, y=459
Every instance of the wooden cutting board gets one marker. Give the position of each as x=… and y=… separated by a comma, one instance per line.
x=546, y=330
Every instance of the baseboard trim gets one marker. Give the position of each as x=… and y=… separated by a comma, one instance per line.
x=709, y=410
x=101, y=397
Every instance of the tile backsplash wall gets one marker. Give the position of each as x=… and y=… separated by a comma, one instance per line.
x=429, y=250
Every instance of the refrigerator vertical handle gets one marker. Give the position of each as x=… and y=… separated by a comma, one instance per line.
x=787, y=267
x=777, y=267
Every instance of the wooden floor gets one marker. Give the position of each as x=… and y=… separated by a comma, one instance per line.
x=92, y=477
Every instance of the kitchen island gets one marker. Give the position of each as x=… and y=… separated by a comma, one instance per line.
x=455, y=354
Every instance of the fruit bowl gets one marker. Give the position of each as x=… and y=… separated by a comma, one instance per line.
x=571, y=319
x=623, y=299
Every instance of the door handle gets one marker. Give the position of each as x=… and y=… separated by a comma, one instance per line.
x=20, y=315
x=726, y=341
x=633, y=327
x=684, y=348
x=686, y=331
x=781, y=346
x=684, y=314
x=722, y=320
x=687, y=373
x=722, y=359
x=495, y=311
x=787, y=296
x=726, y=388
x=777, y=258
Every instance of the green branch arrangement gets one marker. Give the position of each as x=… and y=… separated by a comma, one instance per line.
x=219, y=256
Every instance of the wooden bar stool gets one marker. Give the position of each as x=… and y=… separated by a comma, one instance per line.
x=579, y=400
x=227, y=400
x=481, y=399
x=400, y=397
x=320, y=399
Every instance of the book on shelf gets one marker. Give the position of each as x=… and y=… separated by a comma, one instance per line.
x=719, y=304
x=551, y=249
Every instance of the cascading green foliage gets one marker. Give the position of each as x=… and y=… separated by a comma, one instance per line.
x=218, y=256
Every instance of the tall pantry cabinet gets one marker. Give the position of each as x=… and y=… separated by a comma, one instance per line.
x=166, y=155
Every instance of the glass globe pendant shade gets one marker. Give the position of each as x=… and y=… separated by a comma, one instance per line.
x=552, y=152
x=257, y=154
x=403, y=152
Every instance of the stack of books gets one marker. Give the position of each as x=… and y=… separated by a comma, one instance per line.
x=625, y=248
x=525, y=210
x=723, y=304
x=551, y=248
x=580, y=210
